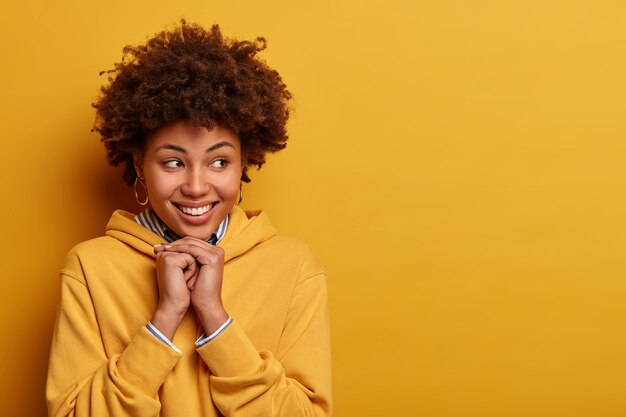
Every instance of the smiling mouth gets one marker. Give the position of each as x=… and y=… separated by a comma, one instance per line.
x=196, y=211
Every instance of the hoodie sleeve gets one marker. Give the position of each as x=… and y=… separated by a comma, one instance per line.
x=294, y=380
x=83, y=381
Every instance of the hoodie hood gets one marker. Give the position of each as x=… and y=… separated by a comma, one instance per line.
x=246, y=229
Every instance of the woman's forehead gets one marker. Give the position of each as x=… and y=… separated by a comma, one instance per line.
x=187, y=135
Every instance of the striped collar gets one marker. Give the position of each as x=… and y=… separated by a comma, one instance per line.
x=149, y=219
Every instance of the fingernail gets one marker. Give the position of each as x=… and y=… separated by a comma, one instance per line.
x=158, y=245
x=168, y=246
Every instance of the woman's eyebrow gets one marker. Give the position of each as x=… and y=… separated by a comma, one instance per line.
x=173, y=148
x=219, y=145
x=209, y=149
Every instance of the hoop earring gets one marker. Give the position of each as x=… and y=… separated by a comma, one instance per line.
x=240, y=193
x=145, y=191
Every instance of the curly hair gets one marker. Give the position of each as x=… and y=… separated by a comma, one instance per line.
x=195, y=74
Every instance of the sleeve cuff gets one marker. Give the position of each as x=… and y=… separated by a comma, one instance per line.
x=204, y=339
x=156, y=333
x=146, y=362
x=231, y=354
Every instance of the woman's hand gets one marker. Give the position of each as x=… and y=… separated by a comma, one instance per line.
x=176, y=272
x=206, y=283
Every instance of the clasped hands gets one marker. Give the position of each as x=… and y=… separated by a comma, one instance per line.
x=189, y=272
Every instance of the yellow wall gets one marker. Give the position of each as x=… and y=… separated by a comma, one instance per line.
x=459, y=165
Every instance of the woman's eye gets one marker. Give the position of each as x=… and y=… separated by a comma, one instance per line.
x=174, y=163
x=219, y=163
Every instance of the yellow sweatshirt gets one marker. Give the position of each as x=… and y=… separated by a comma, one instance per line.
x=273, y=360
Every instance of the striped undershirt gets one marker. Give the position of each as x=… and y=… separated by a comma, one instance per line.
x=149, y=219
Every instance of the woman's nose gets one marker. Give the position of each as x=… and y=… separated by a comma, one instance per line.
x=196, y=184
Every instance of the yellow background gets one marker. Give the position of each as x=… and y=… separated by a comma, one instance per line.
x=459, y=166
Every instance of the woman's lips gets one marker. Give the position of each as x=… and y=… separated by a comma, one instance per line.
x=195, y=211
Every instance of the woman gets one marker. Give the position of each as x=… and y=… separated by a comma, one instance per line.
x=193, y=307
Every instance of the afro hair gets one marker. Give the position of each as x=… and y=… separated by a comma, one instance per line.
x=194, y=74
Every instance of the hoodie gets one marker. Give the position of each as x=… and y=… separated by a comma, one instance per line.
x=273, y=360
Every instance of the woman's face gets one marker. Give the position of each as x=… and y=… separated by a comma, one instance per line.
x=192, y=175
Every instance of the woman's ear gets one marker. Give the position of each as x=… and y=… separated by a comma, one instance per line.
x=138, y=164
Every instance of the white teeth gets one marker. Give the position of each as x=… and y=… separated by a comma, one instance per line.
x=195, y=211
